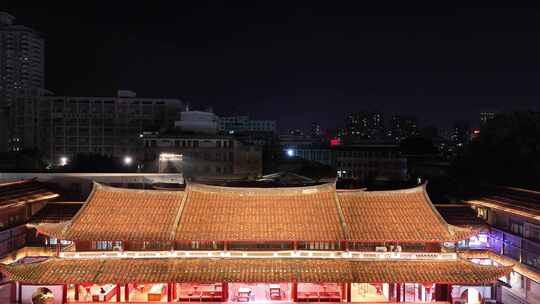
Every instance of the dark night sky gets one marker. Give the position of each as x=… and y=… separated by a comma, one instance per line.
x=296, y=62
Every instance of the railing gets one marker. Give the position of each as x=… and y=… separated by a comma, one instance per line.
x=264, y=254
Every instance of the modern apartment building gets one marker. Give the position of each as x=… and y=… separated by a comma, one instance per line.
x=22, y=62
x=63, y=126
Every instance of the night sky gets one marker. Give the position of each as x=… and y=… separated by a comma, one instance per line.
x=296, y=62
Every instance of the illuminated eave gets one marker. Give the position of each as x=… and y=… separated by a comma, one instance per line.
x=507, y=209
x=298, y=254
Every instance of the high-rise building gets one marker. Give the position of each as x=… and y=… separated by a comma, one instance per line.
x=402, y=127
x=22, y=62
x=486, y=116
x=366, y=125
x=316, y=130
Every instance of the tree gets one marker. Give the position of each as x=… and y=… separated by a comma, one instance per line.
x=507, y=152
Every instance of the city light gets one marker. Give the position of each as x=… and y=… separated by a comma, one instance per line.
x=128, y=160
x=63, y=161
x=290, y=152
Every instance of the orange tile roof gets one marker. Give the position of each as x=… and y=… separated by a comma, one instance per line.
x=102, y=271
x=126, y=215
x=22, y=192
x=211, y=213
x=260, y=214
x=400, y=215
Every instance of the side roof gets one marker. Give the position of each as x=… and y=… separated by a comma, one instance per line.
x=398, y=215
x=23, y=191
x=125, y=215
x=204, y=270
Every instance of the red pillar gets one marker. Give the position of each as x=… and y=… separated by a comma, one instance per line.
x=76, y=296
x=126, y=293
x=13, y=292
x=118, y=293
x=20, y=293
x=449, y=297
x=174, y=291
x=169, y=292
x=294, y=292
x=349, y=291
x=64, y=293
x=224, y=291
x=398, y=292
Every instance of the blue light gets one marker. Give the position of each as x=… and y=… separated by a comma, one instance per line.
x=290, y=152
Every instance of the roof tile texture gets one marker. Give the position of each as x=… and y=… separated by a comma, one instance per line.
x=402, y=215
x=260, y=215
x=102, y=271
x=125, y=215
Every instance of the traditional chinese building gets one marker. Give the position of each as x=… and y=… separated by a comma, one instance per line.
x=225, y=244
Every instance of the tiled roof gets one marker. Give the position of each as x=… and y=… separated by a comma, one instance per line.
x=260, y=214
x=126, y=215
x=518, y=267
x=23, y=191
x=102, y=271
x=211, y=213
x=399, y=215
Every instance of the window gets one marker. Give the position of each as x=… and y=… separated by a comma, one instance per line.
x=516, y=228
x=500, y=221
x=482, y=213
x=107, y=245
x=532, y=232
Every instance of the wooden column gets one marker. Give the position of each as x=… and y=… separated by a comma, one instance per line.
x=174, y=291
x=224, y=291
x=449, y=296
x=169, y=292
x=64, y=294
x=20, y=294
x=398, y=292
x=349, y=293
x=294, y=292
x=13, y=291
x=76, y=296
x=118, y=293
x=225, y=246
x=126, y=293
x=295, y=245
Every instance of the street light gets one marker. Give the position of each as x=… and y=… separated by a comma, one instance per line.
x=290, y=152
x=63, y=161
x=128, y=160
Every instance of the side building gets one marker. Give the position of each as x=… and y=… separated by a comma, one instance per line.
x=513, y=216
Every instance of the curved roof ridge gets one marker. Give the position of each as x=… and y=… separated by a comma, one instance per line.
x=326, y=187
x=121, y=189
x=457, y=232
x=364, y=191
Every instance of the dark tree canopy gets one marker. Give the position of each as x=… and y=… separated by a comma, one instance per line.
x=507, y=152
